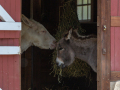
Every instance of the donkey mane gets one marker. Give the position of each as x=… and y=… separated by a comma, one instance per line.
x=82, y=37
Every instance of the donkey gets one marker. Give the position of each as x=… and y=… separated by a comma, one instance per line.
x=74, y=45
x=34, y=33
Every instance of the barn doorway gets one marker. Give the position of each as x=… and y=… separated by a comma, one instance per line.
x=36, y=63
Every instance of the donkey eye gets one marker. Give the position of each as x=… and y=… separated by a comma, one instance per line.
x=43, y=32
x=60, y=48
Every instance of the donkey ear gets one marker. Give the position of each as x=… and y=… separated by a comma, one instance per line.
x=68, y=36
x=26, y=21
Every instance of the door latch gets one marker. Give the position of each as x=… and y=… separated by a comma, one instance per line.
x=104, y=51
x=104, y=27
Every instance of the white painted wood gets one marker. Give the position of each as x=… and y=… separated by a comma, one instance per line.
x=4, y=16
x=10, y=50
x=10, y=25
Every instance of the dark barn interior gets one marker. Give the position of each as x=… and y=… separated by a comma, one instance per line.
x=36, y=63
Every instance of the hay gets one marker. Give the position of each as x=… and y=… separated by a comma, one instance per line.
x=67, y=20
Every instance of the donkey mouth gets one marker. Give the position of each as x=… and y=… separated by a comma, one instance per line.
x=52, y=46
x=60, y=63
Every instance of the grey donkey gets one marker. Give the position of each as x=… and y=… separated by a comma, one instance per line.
x=74, y=45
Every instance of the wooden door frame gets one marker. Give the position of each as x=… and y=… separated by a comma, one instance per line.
x=103, y=44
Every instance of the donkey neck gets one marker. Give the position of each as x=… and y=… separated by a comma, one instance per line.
x=25, y=44
x=25, y=38
x=83, y=48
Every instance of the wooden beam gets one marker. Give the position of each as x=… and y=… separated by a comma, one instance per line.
x=98, y=46
x=103, y=45
x=115, y=75
x=115, y=21
x=10, y=26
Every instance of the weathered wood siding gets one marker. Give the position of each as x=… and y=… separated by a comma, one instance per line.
x=115, y=35
x=103, y=44
x=10, y=72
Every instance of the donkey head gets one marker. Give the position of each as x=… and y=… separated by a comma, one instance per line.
x=65, y=53
x=37, y=34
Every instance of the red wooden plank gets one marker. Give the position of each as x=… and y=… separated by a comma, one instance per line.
x=1, y=71
x=9, y=34
x=17, y=34
x=114, y=7
x=10, y=42
x=13, y=14
x=10, y=67
x=16, y=42
x=0, y=42
x=112, y=49
x=7, y=42
x=7, y=6
x=18, y=11
x=2, y=2
x=119, y=8
x=11, y=72
x=117, y=48
x=17, y=72
x=11, y=64
x=4, y=42
x=2, y=34
x=5, y=73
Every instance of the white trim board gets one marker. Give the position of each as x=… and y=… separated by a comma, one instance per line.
x=10, y=50
x=10, y=25
x=4, y=16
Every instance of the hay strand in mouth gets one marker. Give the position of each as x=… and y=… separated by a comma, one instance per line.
x=60, y=75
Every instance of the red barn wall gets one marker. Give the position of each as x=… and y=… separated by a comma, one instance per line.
x=10, y=72
x=115, y=35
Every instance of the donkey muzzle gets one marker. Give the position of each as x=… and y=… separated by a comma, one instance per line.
x=59, y=62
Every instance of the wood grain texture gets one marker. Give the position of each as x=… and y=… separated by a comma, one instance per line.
x=1, y=71
x=112, y=49
x=11, y=72
x=115, y=40
x=6, y=42
x=119, y=8
x=115, y=75
x=114, y=7
x=5, y=72
x=115, y=21
x=104, y=43
x=117, y=48
x=18, y=10
x=98, y=46
x=17, y=72
x=108, y=42
x=2, y=34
